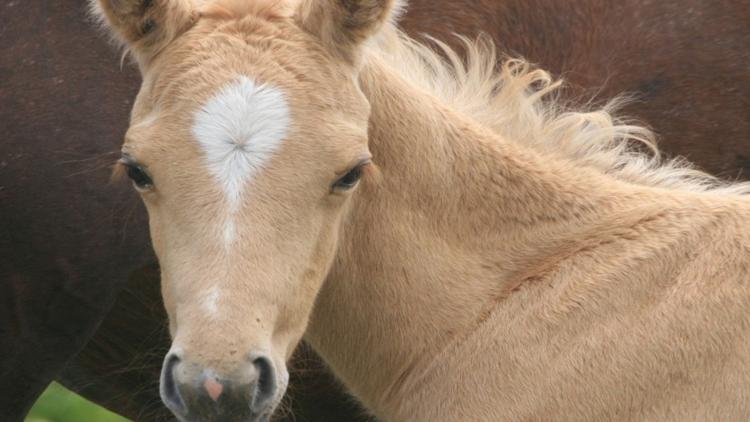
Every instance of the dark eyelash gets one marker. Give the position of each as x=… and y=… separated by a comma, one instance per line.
x=351, y=178
x=136, y=172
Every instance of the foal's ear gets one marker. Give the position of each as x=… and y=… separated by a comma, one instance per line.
x=145, y=26
x=342, y=25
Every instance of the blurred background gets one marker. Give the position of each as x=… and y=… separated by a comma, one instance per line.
x=59, y=404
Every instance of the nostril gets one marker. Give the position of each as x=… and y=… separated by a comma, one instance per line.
x=170, y=394
x=266, y=386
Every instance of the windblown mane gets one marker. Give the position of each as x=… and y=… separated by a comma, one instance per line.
x=522, y=104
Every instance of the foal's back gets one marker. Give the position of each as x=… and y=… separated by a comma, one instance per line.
x=644, y=317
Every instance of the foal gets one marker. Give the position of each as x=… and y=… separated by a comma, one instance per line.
x=498, y=259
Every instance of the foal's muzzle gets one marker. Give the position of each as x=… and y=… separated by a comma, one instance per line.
x=197, y=394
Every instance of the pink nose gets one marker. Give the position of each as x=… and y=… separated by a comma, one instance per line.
x=213, y=388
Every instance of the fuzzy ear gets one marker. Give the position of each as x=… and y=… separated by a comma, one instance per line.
x=343, y=25
x=145, y=26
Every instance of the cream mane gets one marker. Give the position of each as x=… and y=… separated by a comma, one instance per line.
x=522, y=104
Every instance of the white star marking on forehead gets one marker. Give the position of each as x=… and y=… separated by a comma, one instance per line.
x=239, y=129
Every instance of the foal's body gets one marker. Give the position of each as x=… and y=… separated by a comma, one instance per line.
x=509, y=261
x=677, y=73
x=507, y=284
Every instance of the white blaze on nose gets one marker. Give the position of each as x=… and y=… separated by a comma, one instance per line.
x=230, y=232
x=239, y=129
x=211, y=302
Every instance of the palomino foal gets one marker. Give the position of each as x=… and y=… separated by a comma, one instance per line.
x=505, y=261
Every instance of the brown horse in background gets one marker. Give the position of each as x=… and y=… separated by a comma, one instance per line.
x=71, y=241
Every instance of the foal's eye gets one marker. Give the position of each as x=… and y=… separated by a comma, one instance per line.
x=139, y=176
x=350, y=179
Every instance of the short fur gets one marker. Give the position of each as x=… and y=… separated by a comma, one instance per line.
x=692, y=80
x=534, y=267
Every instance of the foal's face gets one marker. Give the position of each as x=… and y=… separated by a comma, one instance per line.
x=247, y=141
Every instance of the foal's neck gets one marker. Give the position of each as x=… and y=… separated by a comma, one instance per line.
x=456, y=219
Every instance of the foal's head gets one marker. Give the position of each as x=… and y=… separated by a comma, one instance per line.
x=247, y=138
